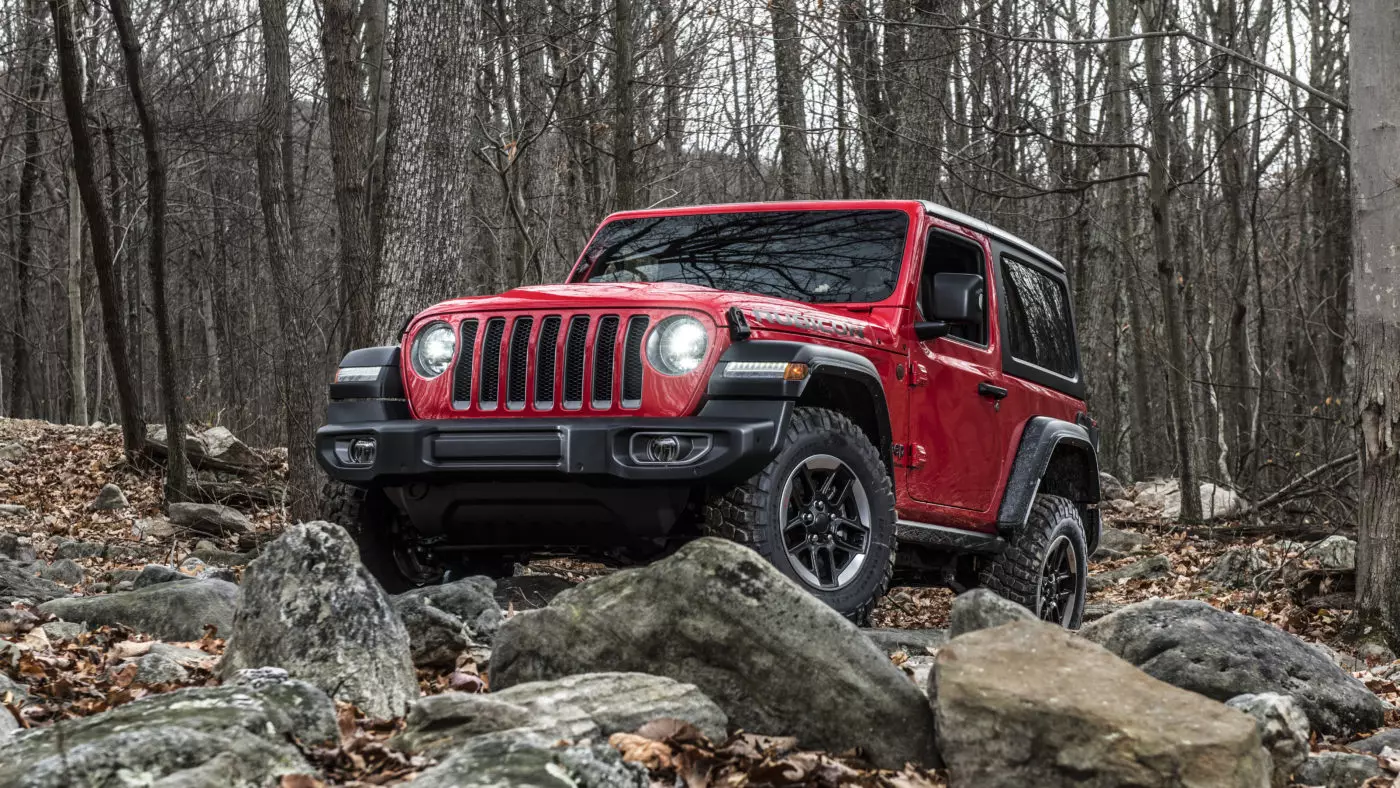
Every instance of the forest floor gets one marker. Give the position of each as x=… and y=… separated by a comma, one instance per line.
x=64, y=467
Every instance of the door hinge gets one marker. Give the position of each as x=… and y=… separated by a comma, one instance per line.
x=916, y=455
x=918, y=374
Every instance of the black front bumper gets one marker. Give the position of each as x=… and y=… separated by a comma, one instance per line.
x=744, y=437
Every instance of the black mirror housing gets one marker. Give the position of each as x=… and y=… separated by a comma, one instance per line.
x=958, y=298
x=927, y=331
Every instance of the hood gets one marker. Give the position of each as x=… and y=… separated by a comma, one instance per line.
x=764, y=314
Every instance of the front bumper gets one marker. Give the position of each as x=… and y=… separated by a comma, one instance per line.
x=743, y=434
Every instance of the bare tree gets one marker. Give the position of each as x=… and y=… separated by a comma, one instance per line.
x=791, y=94
x=35, y=83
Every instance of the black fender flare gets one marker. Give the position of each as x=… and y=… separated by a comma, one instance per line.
x=821, y=360
x=1040, y=440
x=380, y=399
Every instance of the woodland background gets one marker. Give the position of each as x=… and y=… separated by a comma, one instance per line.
x=254, y=187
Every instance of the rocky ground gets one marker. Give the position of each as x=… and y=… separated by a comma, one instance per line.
x=213, y=645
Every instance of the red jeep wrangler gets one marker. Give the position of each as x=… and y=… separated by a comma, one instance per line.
x=831, y=383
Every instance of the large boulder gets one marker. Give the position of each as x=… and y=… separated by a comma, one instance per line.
x=1110, y=488
x=18, y=581
x=1283, y=730
x=622, y=702
x=983, y=608
x=528, y=760
x=220, y=444
x=309, y=606
x=1387, y=737
x=1197, y=647
x=1164, y=496
x=1031, y=704
x=241, y=733
x=210, y=518
x=1336, y=553
x=169, y=611
x=718, y=616
x=1115, y=542
x=435, y=637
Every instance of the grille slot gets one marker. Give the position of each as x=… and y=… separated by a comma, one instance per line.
x=491, y=363
x=604, y=361
x=519, y=362
x=462, y=376
x=632, y=366
x=575, y=358
x=548, y=354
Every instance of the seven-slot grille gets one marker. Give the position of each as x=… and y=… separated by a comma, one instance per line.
x=549, y=361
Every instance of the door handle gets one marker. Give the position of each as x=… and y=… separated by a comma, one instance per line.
x=986, y=389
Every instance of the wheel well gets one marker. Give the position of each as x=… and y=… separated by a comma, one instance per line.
x=853, y=398
x=1072, y=473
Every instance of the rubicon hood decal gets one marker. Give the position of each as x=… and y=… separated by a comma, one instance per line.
x=836, y=328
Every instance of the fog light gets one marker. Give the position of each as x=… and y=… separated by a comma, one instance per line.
x=355, y=451
x=664, y=448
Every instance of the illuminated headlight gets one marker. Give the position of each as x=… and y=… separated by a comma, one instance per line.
x=357, y=374
x=433, y=349
x=677, y=345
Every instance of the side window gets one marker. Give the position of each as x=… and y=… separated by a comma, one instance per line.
x=946, y=254
x=1038, y=328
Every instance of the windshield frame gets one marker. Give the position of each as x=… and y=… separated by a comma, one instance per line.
x=899, y=294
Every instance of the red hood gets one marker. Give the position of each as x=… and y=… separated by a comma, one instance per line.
x=861, y=325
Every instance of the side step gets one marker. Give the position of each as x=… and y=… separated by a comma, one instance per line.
x=958, y=539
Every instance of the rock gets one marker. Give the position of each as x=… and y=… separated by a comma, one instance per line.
x=170, y=735
x=439, y=724
x=470, y=599
x=1283, y=730
x=1341, y=659
x=1336, y=552
x=1238, y=567
x=622, y=702
x=184, y=657
x=525, y=760
x=170, y=611
x=12, y=691
x=16, y=621
x=13, y=510
x=909, y=641
x=1194, y=646
x=215, y=557
x=65, y=571
x=1377, y=653
x=1032, y=704
x=1164, y=496
x=154, y=527
x=982, y=608
x=210, y=518
x=1118, y=506
x=63, y=630
x=1093, y=611
x=530, y=592
x=1337, y=770
x=1110, y=489
x=155, y=574
x=1151, y=568
x=1385, y=737
x=435, y=637
x=1118, y=540
x=159, y=669
x=110, y=497
x=17, y=581
x=13, y=452
x=8, y=725
x=220, y=444
x=716, y=615
x=119, y=551
x=309, y=606
x=919, y=669
x=16, y=548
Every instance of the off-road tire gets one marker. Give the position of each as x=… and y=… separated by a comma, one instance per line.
x=748, y=513
x=1017, y=571
x=369, y=518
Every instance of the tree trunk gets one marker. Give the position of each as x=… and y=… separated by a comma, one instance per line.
x=172, y=390
x=625, y=186
x=77, y=341
x=1153, y=17
x=294, y=344
x=35, y=85
x=427, y=232
x=71, y=81
x=1375, y=149
x=347, y=113
x=791, y=93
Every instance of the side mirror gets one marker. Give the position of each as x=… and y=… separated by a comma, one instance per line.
x=927, y=331
x=958, y=298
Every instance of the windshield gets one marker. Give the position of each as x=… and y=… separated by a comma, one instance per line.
x=812, y=256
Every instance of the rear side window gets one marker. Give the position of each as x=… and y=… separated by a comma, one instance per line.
x=1038, y=329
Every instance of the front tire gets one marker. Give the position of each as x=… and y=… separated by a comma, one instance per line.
x=822, y=512
x=377, y=528
x=1046, y=566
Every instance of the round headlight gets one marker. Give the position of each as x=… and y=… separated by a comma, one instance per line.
x=677, y=345
x=433, y=349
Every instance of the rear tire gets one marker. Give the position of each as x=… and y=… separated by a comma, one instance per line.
x=1045, y=568
x=822, y=512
